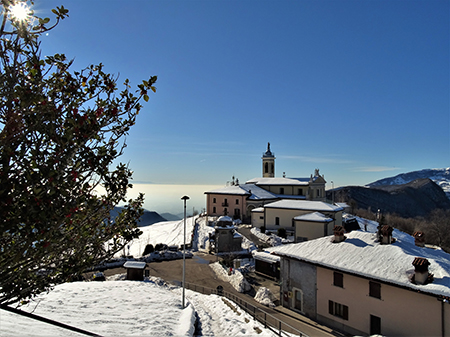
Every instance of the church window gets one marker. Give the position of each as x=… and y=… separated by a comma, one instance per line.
x=237, y=201
x=266, y=168
x=214, y=210
x=214, y=200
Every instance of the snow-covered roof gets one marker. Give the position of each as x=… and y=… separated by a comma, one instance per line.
x=279, y=181
x=258, y=193
x=304, y=205
x=314, y=217
x=266, y=257
x=225, y=218
x=361, y=255
x=254, y=192
x=259, y=209
x=235, y=190
x=342, y=204
x=135, y=264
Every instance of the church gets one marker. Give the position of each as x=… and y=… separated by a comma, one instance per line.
x=239, y=200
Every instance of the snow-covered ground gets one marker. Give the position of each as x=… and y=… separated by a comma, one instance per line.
x=272, y=240
x=167, y=232
x=235, y=278
x=130, y=308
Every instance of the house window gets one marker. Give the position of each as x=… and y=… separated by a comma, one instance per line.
x=375, y=325
x=300, y=191
x=277, y=221
x=237, y=201
x=338, y=310
x=237, y=212
x=214, y=200
x=214, y=210
x=225, y=211
x=261, y=218
x=338, y=279
x=374, y=289
x=225, y=202
x=281, y=190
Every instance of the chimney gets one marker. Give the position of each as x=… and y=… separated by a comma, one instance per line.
x=421, y=270
x=386, y=234
x=419, y=238
x=338, y=234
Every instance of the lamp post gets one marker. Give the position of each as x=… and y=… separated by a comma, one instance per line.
x=184, y=246
x=332, y=192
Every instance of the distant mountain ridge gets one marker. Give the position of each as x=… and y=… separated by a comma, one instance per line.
x=440, y=176
x=147, y=219
x=416, y=198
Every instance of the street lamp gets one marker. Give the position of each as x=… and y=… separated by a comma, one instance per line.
x=332, y=192
x=184, y=246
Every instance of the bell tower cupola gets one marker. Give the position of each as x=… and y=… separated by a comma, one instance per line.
x=268, y=162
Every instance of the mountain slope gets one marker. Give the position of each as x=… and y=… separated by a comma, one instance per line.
x=416, y=198
x=171, y=217
x=147, y=219
x=440, y=176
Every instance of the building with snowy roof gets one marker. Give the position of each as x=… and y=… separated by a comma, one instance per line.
x=361, y=286
x=238, y=200
x=267, y=264
x=307, y=220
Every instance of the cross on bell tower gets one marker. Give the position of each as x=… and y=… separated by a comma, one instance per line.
x=268, y=162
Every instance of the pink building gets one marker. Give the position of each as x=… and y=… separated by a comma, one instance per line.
x=361, y=286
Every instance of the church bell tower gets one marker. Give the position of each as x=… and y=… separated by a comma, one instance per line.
x=268, y=162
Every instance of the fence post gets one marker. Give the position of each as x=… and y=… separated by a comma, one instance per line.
x=265, y=320
x=279, y=326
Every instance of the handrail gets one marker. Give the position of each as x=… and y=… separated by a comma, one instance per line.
x=251, y=309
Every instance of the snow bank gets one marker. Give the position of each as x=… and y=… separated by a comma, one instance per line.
x=273, y=239
x=236, y=279
x=201, y=237
x=187, y=318
x=131, y=308
x=111, y=308
x=264, y=296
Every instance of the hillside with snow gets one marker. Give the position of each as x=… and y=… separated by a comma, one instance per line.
x=440, y=176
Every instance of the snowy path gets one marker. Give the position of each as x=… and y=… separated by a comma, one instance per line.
x=218, y=319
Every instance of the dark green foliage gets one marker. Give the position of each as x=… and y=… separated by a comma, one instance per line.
x=60, y=133
x=148, y=249
x=160, y=246
x=281, y=232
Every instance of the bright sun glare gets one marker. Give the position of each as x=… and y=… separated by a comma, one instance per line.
x=19, y=11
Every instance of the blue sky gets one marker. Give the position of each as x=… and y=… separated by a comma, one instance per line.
x=358, y=89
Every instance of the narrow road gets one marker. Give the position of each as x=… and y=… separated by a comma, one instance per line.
x=245, y=231
x=198, y=272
